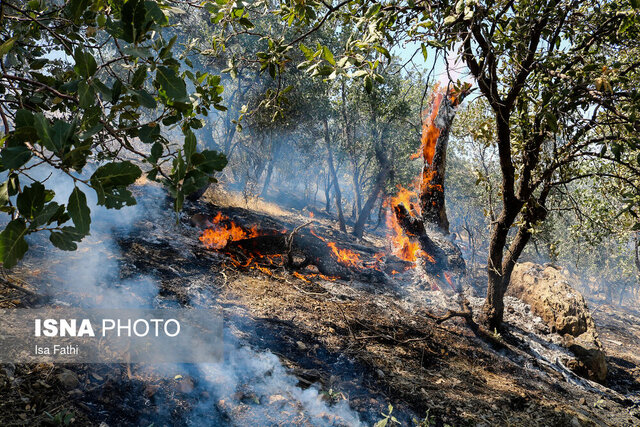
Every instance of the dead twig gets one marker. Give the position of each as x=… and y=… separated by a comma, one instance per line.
x=289, y=241
x=466, y=313
x=8, y=281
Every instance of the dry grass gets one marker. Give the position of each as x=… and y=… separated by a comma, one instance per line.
x=226, y=198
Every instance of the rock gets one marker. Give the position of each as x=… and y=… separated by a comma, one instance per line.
x=590, y=358
x=301, y=346
x=549, y=293
x=575, y=422
x=68, y=379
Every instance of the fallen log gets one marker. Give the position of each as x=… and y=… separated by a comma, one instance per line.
x=334, y=254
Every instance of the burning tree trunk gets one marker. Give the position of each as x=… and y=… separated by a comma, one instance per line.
x=435, y=138
x=427, y=223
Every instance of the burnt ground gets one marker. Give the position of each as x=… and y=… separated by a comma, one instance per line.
x=368, y=344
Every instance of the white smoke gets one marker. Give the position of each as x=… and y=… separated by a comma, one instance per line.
x=247, y=388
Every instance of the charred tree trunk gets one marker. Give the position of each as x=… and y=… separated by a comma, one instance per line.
x=431, y=228
x=432, y=194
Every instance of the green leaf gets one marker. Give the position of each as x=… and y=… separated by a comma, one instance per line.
x=145, y=99
x=85, y=63
x=139, y=76
x=75, y=8
x=4, y=193
x=116, y=91
x=154, y=12
x=189, y=145
x=6, y=46
x=306, y=51
x=156, y=152
x=31, y=200
x=62, y=134
x=15, y=156
x=148, y=134
x=116, y=174
x=44, y=131
x=79, y=211
x=118, y=197
x=65, y=238
x=13, y=246
x=173, y=86
x=86, y=94
x=134, y=21
x=110, y=181
x=327, y=55
x=209, y=161
x=49, y=213
x=424, y=51
x=368, y=84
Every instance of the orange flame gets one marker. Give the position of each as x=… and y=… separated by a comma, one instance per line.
x=221, y=234
x=430, y=132
x=345, y=256
x=403, y=247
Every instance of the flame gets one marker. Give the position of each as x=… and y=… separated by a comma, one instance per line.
x=221, y=234
x=430, y=132
x=427, y=178
x=402, y=245
x=345, y=256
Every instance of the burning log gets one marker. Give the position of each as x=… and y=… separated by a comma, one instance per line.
x=268, y=247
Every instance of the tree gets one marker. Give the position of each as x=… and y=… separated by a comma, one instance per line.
x=558, y=76
x=543, y=67
x=92, y=89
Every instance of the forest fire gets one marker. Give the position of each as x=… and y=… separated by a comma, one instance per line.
x=430, y=132
x=345, y=257
x=405, y=244
x=402, y=245
x=220, y=234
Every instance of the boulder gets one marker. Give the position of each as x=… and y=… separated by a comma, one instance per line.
x=547, y=289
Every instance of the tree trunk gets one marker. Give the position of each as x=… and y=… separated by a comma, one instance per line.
x=381, y=178
x=275, y=152
x=432, y=194
x=358, y=229
x=431, y=228
x=334, y=175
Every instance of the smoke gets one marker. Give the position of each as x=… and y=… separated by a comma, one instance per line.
x=90, y=276
x=253, y=388
x=246, y=388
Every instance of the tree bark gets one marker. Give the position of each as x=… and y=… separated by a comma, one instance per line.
x=432, y=194
x=334, y=175
x=381, y=178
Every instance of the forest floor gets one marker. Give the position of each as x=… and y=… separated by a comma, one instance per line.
x=366, y=344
